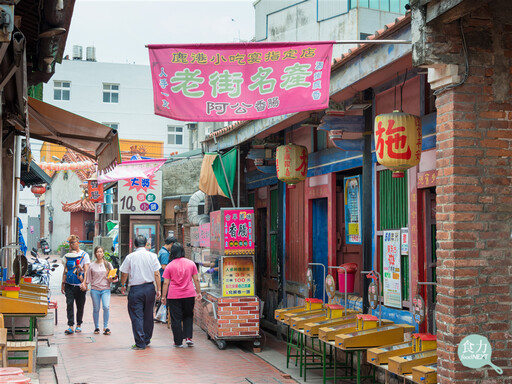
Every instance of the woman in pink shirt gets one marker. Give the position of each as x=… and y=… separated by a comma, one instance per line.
x=180, y=277
x=100, y=289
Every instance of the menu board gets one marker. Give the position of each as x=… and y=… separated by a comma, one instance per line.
x=238, y=276
x=392, y=265
x=204, y=235
x=141, y=195
x=194, y=236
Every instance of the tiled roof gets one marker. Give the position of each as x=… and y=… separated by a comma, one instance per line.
x=74, y=157
x=83, y=205
x=380, y=34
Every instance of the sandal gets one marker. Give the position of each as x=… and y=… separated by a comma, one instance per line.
x=78, y=330
x=106, y=331
x=69, y=331
x=97, y=331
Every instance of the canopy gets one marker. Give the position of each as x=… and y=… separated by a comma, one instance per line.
x=55, y=125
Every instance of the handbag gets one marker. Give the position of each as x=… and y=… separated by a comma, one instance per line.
x=161, y=314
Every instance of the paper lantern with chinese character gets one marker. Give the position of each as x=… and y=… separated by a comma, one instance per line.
x=292, y=163
x=95, y=191
x=38, y=190
x=398, y=141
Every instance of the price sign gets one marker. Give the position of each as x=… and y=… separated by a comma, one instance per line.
x=140, y=195
x=237, y=276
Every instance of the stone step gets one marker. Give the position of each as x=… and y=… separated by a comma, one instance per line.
x=47, y=355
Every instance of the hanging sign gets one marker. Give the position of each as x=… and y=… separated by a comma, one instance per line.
x=246, y=81
x=194, y=236
x=404, y=241
x=352, y=191
x=204, y=235
x=392, y=273
x=237, y=276
x=95, y=191
x=141, y=195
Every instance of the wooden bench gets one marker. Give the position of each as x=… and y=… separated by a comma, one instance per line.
x=22, y=346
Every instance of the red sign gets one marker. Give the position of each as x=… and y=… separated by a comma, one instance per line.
x=95, y=191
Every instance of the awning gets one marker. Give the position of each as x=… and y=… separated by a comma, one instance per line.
x=33, y=177
x=55, y=125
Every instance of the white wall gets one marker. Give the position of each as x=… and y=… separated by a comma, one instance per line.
x=134, y=112
x=61, y=191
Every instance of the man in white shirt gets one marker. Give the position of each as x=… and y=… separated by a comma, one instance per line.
x=142, y=268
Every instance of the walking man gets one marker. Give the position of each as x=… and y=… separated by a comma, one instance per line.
x=142, y=268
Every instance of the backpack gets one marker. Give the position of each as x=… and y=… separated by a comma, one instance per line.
x=73, y=275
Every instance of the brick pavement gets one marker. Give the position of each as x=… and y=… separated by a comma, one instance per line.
x=90, y=358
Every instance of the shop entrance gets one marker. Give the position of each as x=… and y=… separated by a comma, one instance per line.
x=319, y=245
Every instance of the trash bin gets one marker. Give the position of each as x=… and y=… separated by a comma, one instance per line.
x=351, y=275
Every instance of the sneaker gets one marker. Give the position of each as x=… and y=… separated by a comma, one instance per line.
x=189, y=342
x=78, y=330
x=136, y=348
x=179, y=346
x=69, y=331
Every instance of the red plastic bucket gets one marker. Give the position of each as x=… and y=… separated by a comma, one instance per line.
x=16, y=379
x=10, y=371
x=351, y=276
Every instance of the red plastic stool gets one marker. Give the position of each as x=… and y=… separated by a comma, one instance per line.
x=53, y=305
x=10, y=371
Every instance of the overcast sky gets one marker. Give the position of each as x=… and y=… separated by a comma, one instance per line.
x=120, y=29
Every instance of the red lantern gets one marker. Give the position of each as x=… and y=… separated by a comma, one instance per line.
x=398, y=141
x=292, y=163
x=38, y=190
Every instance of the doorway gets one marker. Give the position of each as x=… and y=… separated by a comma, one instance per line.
x=430, y=257
x=319, y=244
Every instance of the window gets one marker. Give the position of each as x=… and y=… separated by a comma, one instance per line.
x=110, y=93
x=61, y=90
x=112, y=125
x=174, y=135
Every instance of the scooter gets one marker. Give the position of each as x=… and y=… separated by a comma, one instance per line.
x=45, y=247
x=40, y=269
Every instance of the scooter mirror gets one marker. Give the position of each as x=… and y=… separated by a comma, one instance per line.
x=33, y=253
x=55, y=265
x=34, y=250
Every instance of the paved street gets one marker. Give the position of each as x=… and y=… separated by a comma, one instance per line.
x=90, y=358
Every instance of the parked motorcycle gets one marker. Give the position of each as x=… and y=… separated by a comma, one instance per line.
x=45, y=247
x=40, y=268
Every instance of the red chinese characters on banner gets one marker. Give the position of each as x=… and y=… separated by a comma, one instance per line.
x=398, y=141
x=95, y=191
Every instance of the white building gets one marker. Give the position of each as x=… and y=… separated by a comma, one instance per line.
x=117, y=95
x=322, y=20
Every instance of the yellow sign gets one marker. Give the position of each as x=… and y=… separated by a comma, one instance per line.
x=237, y=276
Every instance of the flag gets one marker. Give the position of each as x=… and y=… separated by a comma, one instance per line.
x=132, y=169
x=212, y=180
x=242, y=81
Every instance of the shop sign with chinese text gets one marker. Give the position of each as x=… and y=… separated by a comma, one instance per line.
x=392, y=273
x=232, y=82
x=237, y=276
x=194, y=236
x=95, y=191
x=140, y=195
x=232, y=231
x=204, y=235
x=353, y=209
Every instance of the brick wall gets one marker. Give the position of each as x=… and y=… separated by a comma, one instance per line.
x=474, y=194
x=236, y=317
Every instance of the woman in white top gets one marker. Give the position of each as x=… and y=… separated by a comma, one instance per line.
x=100, y=289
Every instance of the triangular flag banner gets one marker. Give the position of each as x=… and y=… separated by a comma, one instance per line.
x=132, y=169
x=207, y=181
x=229, y=162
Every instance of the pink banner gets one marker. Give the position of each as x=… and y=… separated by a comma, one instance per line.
x=132, y=169
x=246, y=81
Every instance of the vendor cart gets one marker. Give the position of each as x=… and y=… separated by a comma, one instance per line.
x=230, y=310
